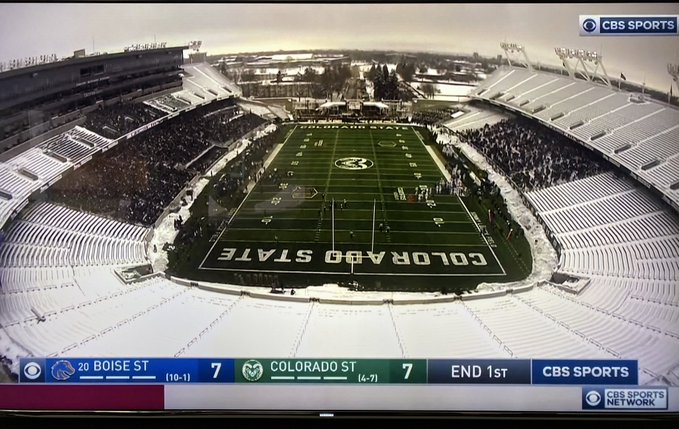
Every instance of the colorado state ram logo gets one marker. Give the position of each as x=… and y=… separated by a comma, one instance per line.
x=252, y=370
x=354, y=163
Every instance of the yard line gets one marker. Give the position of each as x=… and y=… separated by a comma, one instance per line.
x=379, y=182
x=325, y=191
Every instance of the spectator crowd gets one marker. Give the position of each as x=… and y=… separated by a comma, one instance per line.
x=430, y=117
x=119, y=119
x=138, y=178
x=532, y=156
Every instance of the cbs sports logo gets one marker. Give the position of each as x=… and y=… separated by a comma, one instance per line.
x=628, y=25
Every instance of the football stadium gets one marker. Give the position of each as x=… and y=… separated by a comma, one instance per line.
x=154, y=203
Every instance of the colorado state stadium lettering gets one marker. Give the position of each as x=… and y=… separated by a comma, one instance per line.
x=305, y=256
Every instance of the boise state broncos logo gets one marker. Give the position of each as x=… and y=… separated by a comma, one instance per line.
x=62, y=370
x=354, y=163
x=252, y=370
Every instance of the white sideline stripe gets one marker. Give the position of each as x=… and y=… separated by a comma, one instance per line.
x=482, y=236
x=242, y=202
x=477, y=274
x=433, y=156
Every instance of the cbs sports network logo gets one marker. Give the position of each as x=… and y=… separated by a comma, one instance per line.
x=628, y=25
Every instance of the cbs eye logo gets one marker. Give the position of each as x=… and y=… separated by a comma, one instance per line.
x=589, y=25
x=593, y=398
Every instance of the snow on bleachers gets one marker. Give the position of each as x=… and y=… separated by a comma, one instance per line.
x=349, y=330
x=625, y=234
x=554, y=100
x=577, y=192
x=656, y=351
x=514, y=77
x=619, y=115
x=35, y=161
x=50, y=235
x=163, y=330
x=602, y=103
x=664, y=174
x=78, y=322
x=16, y=185
x=628, y=244
x=619, y=207
x=443, y=331
x=587, y=96
x=527, y=332
x=272, y=328
x=535, y=81
x=538, y=93
x=72, y=149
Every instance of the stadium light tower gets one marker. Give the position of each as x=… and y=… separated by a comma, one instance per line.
x=581, y=58
x=195, y=45
x=518, y=48
x=673, y=70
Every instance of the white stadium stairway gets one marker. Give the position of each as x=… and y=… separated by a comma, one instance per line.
x=527, y=332
x=251, y=327
x=443, y=330
x=159, y=330
x=349, y=330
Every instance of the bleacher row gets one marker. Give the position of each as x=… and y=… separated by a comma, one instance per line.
x=96, y=315
x=642, y=135
x=627, y=244
x=201, y=83
x=473, y=118
x=612, y=228
x=52, y=236
x=87, y=310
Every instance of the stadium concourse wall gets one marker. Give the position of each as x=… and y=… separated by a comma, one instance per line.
x=320, y=295
x=652, y=187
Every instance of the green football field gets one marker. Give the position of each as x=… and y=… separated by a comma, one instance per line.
x=379, y=233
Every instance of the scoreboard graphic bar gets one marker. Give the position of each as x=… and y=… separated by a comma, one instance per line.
x=327, y=371
x=331, y=370
x=126, y=370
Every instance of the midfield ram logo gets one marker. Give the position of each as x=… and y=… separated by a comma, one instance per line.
x=353, y=163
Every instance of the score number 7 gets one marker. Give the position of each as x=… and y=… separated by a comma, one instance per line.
x=217, y=366
x=408, y=367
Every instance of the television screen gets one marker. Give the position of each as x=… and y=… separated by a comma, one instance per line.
x=339, y=209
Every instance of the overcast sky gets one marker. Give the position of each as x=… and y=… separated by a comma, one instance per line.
x=34, y=29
